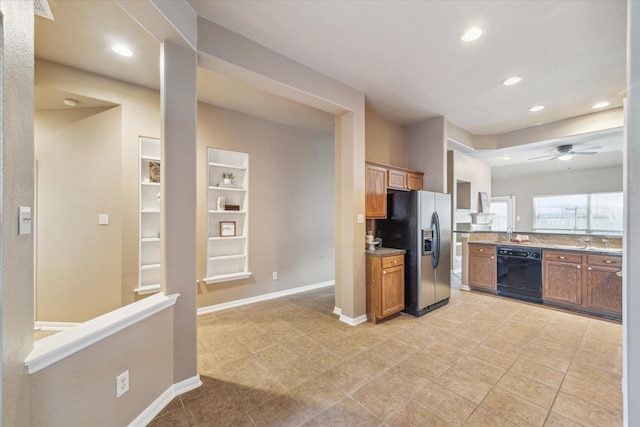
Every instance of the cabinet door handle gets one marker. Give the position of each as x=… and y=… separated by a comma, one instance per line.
x=589, y=268
x=579, y=266
x=608, y=261
x=492, y=257
x=384, y=271
x=562, y=257
x=394, y=262
x=481, y=250
x=619, y=273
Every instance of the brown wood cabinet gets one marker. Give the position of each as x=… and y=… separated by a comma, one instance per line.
x=562, y=277
x=414, y=181
x=404, y=180
x=482, y=267
x=603, y=284
x=385, y=286
x=375, y=191
x=379, y=178
x=584, y=282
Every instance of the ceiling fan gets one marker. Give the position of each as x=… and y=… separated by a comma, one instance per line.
x=566, y=151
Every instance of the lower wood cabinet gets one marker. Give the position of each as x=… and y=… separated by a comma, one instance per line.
x=483, y=267
x=385, y=286
x=603, y=284
x=562, y=277
x=584, y=282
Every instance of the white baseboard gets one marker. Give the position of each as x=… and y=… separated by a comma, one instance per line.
x=353, y=321
x=337, y=310
x=265, y=297
x=163, y=400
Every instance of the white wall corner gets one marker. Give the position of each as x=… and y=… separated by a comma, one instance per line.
x=353, y=321
x=164, y=399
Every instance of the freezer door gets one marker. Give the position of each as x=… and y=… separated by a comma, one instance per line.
x=443, y=270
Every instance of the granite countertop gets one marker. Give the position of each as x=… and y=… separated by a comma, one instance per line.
x=539, y=245
x=383, y=252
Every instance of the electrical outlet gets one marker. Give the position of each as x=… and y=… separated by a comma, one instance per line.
x=122, y=383
x=275, y=275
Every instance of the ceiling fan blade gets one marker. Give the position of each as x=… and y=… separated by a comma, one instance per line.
x=552, y=156
x=584, y=153
x=582, y=150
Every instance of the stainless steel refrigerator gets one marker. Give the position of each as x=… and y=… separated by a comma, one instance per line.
x=420, y=223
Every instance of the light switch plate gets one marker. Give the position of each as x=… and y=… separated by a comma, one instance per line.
x=103, y=219
x=24, y=220
x=360, y=219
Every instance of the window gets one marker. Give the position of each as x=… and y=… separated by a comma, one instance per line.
x=579, y=213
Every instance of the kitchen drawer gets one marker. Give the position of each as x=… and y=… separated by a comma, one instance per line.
x=392, y=261
x=605, y=260
x=563, y=257
x=482, y=250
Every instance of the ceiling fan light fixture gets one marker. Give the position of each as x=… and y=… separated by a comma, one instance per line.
x=564, y=157
x=122, y=50
x=512, y=81
x=600, y=105
x=471, y=34
x=536, y=108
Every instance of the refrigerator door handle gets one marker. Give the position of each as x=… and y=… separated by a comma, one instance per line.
x=435, y=226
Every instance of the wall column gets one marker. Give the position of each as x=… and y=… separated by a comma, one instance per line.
x=349, y=203
x=631, y=290
x=178, y=199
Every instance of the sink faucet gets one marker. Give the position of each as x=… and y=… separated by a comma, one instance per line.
x=586, y=242
x=509, y=233
x=606, y=243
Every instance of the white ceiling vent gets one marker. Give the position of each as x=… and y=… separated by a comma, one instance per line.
x=41, y=8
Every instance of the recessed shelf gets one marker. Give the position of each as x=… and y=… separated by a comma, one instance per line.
x=227, y=166
x=148, y=289
x=149, y=221
x=227, y=277
x=227, y=256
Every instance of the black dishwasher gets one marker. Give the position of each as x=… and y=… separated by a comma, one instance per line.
x=520, y=273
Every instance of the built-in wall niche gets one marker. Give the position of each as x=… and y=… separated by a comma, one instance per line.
x=149, y=274
x=227, y=215
x=463, y=195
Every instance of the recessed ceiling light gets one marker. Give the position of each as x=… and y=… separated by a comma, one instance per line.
x=506, y=157
x=536, y=108
x=600, y=105
x=512, y=81
x=471, y=34
x=121, y=49
x=70, y=102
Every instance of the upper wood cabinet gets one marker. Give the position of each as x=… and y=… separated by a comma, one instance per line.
x=379, y=178
x=375, y=191
x=398, y=179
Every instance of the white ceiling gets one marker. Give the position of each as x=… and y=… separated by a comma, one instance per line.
x=404, y=55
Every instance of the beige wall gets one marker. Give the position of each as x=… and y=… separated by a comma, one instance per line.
x=472, y=170
x=79, y=390
x=78, y=177
x=17, y=189
x=139, y=115
x=524, y=188
x=386, y=142
x=290, y=205
x=427, y=150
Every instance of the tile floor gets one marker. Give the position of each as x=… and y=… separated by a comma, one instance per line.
x=478, y=361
